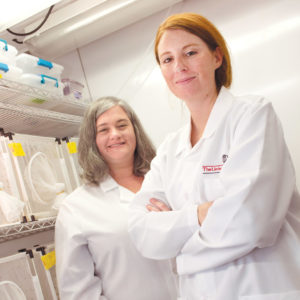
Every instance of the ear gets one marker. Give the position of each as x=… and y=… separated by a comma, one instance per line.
x=218, y=57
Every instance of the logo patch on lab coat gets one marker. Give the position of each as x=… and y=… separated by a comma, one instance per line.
x=224, y=158
x=213, y=169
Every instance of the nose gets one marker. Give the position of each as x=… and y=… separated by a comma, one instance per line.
x=114, y=133
x=180, y=65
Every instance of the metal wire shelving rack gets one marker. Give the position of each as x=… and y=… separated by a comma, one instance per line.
x=14, y=231
x=30, y=110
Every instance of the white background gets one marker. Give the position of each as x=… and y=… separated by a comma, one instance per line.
x=264, y=40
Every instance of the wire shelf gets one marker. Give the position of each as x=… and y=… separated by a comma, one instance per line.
x=14, y=231
x=36, y=121
x=16, y=93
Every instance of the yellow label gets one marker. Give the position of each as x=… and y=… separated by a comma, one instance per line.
x=49, y=260
x=0, y=75
x=72, y=147
x=16, y=149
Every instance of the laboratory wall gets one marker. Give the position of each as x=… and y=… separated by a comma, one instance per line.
x=264, y=41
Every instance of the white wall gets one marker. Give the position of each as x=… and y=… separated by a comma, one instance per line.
x=264, y=39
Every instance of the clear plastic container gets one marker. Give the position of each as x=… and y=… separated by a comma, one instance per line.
x=8, y=53
x=72, y=87
x=42, y=81
x=10, y=72
x=35, y=65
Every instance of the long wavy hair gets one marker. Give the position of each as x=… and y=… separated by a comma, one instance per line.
x=205, y=30
x=94, y=167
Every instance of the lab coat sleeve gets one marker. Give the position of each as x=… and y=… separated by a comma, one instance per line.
x=74, y=263
x=258, y=182
x=159, y=235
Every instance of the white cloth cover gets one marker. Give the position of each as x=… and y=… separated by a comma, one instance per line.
x=10, y=206
x=11, y=291
x=41, y=177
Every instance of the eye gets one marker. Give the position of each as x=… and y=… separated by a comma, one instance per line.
x=102, y=130
x=190, y=53
x=122, y=126
x=166, y=60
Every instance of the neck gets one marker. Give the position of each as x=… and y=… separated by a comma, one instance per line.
x=125, y=177
x=121, y=172
x=200, y=110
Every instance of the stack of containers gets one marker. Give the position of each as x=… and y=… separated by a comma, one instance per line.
x=8, y=69
x=40, y=73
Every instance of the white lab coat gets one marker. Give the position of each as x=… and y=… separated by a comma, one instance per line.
x=95, y=257
x=248, y=247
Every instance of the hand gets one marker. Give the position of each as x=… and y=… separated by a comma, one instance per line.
x=202, y=211
x=157, y=205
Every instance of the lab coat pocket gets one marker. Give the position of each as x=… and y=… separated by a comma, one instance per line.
x=293, y=295
x=213, y=189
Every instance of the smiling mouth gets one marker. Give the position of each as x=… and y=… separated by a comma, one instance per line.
x=116, y=145
x=185, y=80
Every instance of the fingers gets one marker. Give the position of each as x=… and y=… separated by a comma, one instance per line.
x=152, y=208
x=157, y=205
x=203, y=210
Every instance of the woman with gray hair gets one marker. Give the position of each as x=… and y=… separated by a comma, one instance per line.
x=95, y=256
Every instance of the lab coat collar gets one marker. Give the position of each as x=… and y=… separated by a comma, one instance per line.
x=126, y=196
x=110, y=184
x=184, y=142
x=221, y=107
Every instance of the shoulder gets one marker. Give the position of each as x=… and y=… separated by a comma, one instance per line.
x=77, y=194
x=81, y=198
x=173, y=140
x=246, y=107
x=252, y=114
x=251, y=103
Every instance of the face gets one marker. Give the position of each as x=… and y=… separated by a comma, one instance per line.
x=115, y=137
x=187, y=64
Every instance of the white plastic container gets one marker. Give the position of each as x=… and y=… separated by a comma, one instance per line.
x=42, y=81
x=8, y=53
x=32, y=64
x=10, y=72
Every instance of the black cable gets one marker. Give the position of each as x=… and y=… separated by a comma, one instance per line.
x=36, y=29
x=18, y=42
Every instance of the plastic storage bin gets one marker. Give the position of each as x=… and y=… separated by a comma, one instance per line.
x=42, y=81
x=8, y=53
x=35, y=65
x=10, y=72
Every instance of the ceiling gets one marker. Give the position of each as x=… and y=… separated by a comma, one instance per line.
x=75, y=23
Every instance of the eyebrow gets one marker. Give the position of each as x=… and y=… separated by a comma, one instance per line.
x=118, y=121
x=186, y=46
